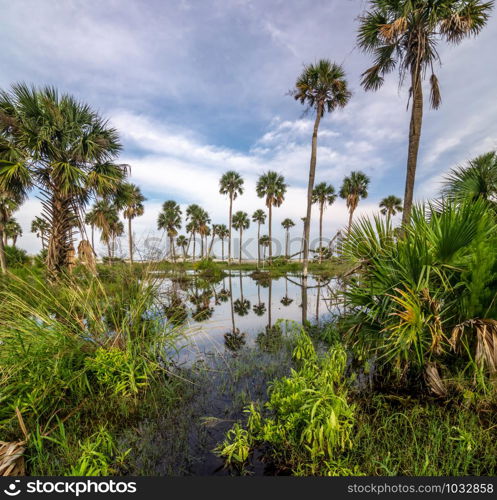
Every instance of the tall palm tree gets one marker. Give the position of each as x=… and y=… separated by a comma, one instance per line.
x=169, y=220
x=182, y=242
x=287, y=224
x=403, y=35
x=324, y=195
x=241, y=222
x=322, y=87
x=116, y=229
x=222, y=232
x=354, y=187
x=12, y=231
x=193, y=212
x=390, y=206
x=203, y=222
x=40, y=226
x=477, y=179
x=264, y=242
x=9, y=203
x=271, y=186
x=64, y=149
x=101, y=216
x=130, y=199
x=259, y=217
x=231, y=184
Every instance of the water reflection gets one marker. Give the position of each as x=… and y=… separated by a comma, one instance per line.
x=242, y=308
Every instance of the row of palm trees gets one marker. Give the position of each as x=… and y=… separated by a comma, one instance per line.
x=270, y=186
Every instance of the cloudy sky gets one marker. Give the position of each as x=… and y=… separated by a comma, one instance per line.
x=198, y=87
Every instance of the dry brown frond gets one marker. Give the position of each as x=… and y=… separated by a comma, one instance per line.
x=86, y=255
x=434, y=381
x=486, y=340
x=12, y=459
x=435, y=95
x=394, y=29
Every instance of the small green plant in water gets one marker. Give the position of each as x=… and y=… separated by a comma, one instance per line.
x=307, y=422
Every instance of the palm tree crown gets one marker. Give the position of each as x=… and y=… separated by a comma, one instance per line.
x=324, y=194
x=354, y=188
x=322, y=86
x=288, y=223
x=477, y=179
x=390, y=205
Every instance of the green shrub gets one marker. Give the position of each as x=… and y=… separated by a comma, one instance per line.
x=309, y=420
x=16, y=257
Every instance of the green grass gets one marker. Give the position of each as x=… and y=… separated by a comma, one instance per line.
x=80, y=358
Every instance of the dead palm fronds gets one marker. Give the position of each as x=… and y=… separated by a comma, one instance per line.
x=12, y=459
x=486, y=340
x=86, y=256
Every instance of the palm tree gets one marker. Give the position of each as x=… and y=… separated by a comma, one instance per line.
x=64, y=149
x=271, y=185
x=390, y=206
x=404, y=36
x=353, y=189
x=101, y=216
x=8, y=205
x=241, y=222
x=40, y=227
x=182, y=242
x=259, y=217
x=477, y=179
x=323, y=87
x=324, y=195
x=264, y=242
x=116, y=229
x=193, y=212
x=203, y=221
x=169, y=220
x=287, y=224
x=12, y=231
x=222, y=232
x=231, y=184
x=130, y=200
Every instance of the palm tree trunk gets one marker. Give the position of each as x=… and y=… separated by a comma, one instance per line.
x=271, y=233
x=287, y=241
x=321, y=232
x=60, y=241
x=222, y=249
x=130, y=241
x=3, y=260
x=14, y=241
x=351, y=214
x=230, y=223
x=231, y=303
x=194, y=241
x=212, y=243
x=92, y=238
x=270, y=303
x=414, y=138
x=240, y=256
x=304, y=299
x=258, y=245
x=310, y=186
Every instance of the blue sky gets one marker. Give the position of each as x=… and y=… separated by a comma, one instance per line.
x=199, y=87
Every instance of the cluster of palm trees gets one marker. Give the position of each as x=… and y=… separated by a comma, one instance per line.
x=270, y=186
